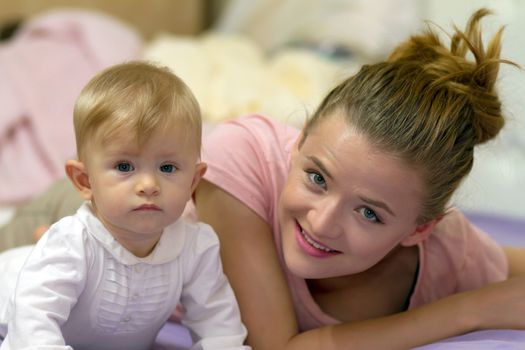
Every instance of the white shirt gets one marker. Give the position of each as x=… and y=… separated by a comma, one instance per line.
x=80, y=287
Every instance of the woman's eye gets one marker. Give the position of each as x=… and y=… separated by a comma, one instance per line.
x=167, y=168
x=317, y=179
x=124, y=167
x=369, y=214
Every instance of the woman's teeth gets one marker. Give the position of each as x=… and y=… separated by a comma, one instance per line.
x=315, y=244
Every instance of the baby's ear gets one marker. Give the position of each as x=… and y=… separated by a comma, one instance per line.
x=200, y=170
x=77, y=173
x=420, y=234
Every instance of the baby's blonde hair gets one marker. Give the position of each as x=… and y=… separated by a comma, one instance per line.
x=138, y=96
x=428, y=105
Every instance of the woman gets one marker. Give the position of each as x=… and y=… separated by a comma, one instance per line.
x=339, y=236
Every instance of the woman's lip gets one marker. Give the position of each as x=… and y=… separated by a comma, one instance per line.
x=306, y=242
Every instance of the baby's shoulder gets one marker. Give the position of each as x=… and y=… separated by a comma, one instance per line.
x=71, y=236
x=194, y=242
x=66, y=228
x=198, y=234
x=188, y=238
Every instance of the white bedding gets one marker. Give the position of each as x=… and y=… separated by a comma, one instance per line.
x=6, y=213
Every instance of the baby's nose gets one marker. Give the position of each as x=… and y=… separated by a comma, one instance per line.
x=148, y=185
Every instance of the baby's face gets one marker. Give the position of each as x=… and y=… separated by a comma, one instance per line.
x=138, y=190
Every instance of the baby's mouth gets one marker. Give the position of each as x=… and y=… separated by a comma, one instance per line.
x=147, y=207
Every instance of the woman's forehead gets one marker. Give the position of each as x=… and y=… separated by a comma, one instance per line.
x=339, y=136
x=353, y=161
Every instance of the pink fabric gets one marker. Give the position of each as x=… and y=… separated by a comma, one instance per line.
x=456, y=257
x=249, y=158
x=42, y=70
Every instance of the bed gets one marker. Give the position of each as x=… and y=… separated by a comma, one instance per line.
x=287, y=85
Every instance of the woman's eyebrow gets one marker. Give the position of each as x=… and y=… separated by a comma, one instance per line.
x=377, y=204
x=320, y=165
x=370, y=201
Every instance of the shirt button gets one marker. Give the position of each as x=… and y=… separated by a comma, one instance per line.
x=135, y=296
x=126, y=318
x=138, y=269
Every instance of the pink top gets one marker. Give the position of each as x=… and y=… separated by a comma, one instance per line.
x=249, y=158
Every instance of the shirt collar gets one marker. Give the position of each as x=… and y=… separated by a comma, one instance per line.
x=168, y=248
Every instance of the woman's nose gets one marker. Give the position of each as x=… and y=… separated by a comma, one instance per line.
x=325, y=220
x=147, y=185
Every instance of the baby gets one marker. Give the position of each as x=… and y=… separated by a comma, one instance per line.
x=109, y=276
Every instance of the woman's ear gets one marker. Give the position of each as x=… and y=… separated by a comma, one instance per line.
x=420, y=234
x=77, y=173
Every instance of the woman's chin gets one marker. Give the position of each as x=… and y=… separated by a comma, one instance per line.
x=303, y=268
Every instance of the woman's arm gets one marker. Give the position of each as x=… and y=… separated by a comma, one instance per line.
x=251, y=263
x=516, y=259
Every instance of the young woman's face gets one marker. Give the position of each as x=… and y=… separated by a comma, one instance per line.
x=345, y=204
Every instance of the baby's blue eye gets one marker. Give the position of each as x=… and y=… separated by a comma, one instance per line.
x=369, y=214
x=167, y=168
x=124, y=167
x=317, y=179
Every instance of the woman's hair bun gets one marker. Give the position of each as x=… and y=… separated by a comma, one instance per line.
x=473, y=77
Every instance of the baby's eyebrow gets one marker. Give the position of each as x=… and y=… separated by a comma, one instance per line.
x=321, y=166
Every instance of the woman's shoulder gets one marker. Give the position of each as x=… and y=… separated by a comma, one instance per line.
x=453, y=237
x=251, y=143
x=457, y=256
x=456, y=228
x=248, y=158
x=461, y=255
x=250, y=129
x=255, y=120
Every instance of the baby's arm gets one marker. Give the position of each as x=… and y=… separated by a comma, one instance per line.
x=47, y=289
x=211, y=311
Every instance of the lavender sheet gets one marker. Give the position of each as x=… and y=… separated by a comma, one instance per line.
x=505, y=230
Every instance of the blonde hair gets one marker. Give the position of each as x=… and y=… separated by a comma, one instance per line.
x=138, y=96
x=428, y=105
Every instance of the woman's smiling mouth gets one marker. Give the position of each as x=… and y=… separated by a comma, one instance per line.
x=311, y=246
